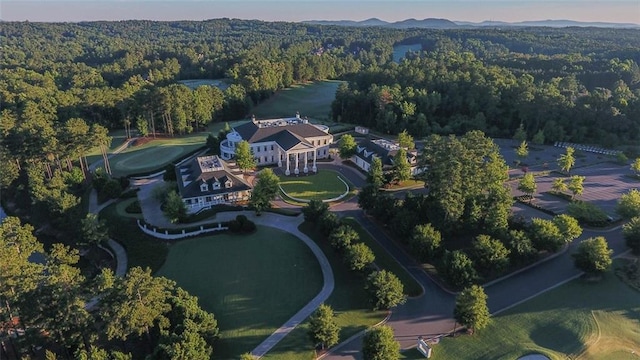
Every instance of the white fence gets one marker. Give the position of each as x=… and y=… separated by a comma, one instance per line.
x=165, y=235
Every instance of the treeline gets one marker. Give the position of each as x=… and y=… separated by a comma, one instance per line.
x=51, y=304
x=458, y=85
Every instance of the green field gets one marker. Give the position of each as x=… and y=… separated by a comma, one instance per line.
x=579, y=320
x=348, y=299
x=251, y=283
x=154, y=154
x=321, y=186
x=312, y=100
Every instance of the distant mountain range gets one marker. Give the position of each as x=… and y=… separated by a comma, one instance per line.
x=432, y=23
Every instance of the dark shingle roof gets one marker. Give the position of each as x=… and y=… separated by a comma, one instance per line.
x=252, y=133
x=195, y=177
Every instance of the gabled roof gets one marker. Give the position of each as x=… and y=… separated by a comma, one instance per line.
x=253, y=133
x=190, y=177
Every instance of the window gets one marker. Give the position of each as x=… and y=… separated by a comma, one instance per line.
x=325, y=141
x=216, y=185
x=204, y=187
x=228, y=184
x=265, y=148
x=271, y=147
x=207, y=199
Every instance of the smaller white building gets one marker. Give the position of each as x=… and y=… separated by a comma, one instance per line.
x=385, y=150
x=208, y=180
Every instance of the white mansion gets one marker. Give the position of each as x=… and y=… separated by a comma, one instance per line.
x=208, y=180
x=292, y=143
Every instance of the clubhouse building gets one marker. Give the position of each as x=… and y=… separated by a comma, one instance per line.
x=208, y=180
x=385, y=150
x=293, y=144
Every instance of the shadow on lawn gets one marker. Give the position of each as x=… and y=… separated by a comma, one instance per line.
x=557, y=338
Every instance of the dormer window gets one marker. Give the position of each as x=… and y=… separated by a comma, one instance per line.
x=216, y=185
x=228, y=184
x=204, y=187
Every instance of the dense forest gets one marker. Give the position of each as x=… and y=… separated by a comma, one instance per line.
x=64, y=86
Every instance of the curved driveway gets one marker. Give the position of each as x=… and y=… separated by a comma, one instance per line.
x=430, y=315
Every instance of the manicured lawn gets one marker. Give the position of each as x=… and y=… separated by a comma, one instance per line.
x=586, y=320
x=321, y=186
x=221, y=84
x=312, y=100
x=251, y=283
x=349, y=301
x=142, y=250
x=155, y=154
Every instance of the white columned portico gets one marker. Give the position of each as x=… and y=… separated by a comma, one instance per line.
x=296, y=171
x=306, y=167
x=279, y=158
x=314, y=168
x=286, y=156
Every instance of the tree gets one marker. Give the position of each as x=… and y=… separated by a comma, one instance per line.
x=471, y=308
x=314, y=210
x=631, y=233
x=457, y=269
x=244, y=156
x=358, y=256
x=213, y=143
x=593, y=255
x=94, y=230
x=559, y=186
x=425, y=242
x=343, y=236
x=174, y=207
x=528, y=185
x=328, y=223
x=375, y=177
x=567, y=160
x=523, y=150
x=635, y=166
x=406, y=141
x=629, y=204
x=521, y=134
x=379, y=344
x=490, y=254
x=401, y=166
x=347, y=146
x=538, y=138
x=323, y=327
x=385, y=290
x=264, y=190
x=545, y=235
x=576, y=185
x=522, y=249
x=569, y=227
x=136, y=304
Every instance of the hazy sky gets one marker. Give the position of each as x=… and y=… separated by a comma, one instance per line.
x=621, y=11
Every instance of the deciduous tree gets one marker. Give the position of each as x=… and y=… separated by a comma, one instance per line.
x=347, y=146
x=629, y=204
x=523, y=150
x=425, y=242
x=379, y=343
x=576, y=185
x=569, y=227
x=490, y=254
x=401, y=166
x=631, y=233
x=244, y=156
x=567, y=160
x=375, y=177
x=471, y=308
x=385, y=290
x=358, y=256
x=593, y=255
x=343, y=236
x=559, y=186
x=528, y=185
x=264, y=190
x=406, y=141
x=323, y=328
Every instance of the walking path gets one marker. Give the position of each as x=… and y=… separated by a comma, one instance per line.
x=118, y=250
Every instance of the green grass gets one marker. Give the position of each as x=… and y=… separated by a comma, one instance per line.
x=251, y=283
x=385, y=261
x=348, y=299
x=584, y=320
x=142, y=250
x=312, y=100
x=321, y=186
x=122, y=206
x=221, y=84
x=155, y=154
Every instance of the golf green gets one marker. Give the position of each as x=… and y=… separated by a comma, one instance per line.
x=149, y=157
x=251, y=283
